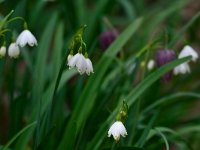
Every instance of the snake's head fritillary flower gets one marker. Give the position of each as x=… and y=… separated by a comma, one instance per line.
x=2, y=51
x=116, y=130
x=107, y=37
x=163, y=57
x=13, y=50
x=26, y=37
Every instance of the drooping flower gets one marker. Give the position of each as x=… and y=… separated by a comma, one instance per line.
x=116, y=130
x=163, y=57
x=26, y=37
x=2, y=51
x=69, y=57
x=79, y=61
x=184, y=67
x=187, y=51
x=151, y=64
x=89, y=68
x=13, y=50
x=107, y=37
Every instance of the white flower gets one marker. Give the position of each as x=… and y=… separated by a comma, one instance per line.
x=2, y=51
x=13, y=50
x=182, y=68
x=79, y=61
x=116, y=130
x=26, y=37
x=69, y=57
x=187, y=51
x=89, y=68
x=151, y=64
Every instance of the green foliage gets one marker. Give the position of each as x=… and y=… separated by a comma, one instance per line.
x=75, y=111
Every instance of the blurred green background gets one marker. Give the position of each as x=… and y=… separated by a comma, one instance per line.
x=89, y=100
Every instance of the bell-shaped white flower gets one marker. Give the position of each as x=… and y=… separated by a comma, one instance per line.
x=81, y=64
x=79, y=61
x=187, y=51
x=182, y=69
x=151, y=64
x=116, y=130
x=26, y=37
x=89, y=68
x=13, y=50
x=2, y=51
x=69, y=57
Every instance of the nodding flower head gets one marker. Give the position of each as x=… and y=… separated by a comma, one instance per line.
x=163, y=57
x=26, y=37
x=184, y=67
x=13, y=50
x=2, y=51
x=116, y=130
x=107, y=37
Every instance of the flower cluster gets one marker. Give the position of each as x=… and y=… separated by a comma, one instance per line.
x=118, y=129
x=165, y=56
x=13, y=50
x=81, y=62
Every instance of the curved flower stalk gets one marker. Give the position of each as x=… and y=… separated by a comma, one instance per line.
x=118, y=129
x=184, y=67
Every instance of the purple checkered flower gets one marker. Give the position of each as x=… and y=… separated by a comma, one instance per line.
x=163, y=57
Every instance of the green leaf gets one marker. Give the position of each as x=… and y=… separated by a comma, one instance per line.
x=164, y=138
x=177, y=36
x=142, y=140
x=168, y=98
x=18, y=134
x=71, y=141
x=2, y=147
x=46, y=138
x=124, y=148
x=2, y=1
x=2, y=22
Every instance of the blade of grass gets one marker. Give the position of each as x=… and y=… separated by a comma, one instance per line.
x=46, y=138
x=164, y=138
x=168, y=98
x=18, y=134
x=69, y=144
x=142, y=140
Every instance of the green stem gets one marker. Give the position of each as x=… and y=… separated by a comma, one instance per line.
x=6, y=30
x=14, y=19
x=115, y=145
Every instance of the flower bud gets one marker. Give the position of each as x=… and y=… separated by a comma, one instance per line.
x=163, y=57
x=107, y=37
